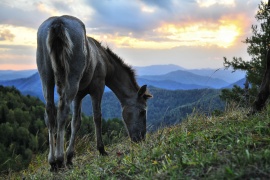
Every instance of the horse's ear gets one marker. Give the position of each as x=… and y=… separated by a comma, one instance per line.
x=142, y=92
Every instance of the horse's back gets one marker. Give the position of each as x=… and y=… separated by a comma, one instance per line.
x=77, y=35
x=73, y=25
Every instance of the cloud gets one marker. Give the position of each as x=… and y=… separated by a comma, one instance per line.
x=119, y=16
x=182, y=32
x=6, y=35
x=189, y=57
x=155, y=24
x=17, y=56
x=16, y=16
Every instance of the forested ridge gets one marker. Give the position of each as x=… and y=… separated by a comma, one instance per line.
x=168, y=107
x=171, y=107
x=22, y=130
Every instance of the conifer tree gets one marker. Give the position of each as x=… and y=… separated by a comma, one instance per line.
x=257, y=49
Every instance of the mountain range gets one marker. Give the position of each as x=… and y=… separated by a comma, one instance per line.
x=176, y=91
x=227, y=75
x=6, y=75
x=170, y=77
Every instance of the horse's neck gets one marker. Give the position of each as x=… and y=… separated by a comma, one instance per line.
x=123, y=86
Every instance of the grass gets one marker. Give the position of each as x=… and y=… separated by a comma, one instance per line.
x=228, y=146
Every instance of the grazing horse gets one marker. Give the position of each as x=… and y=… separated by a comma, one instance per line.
x=78, y=65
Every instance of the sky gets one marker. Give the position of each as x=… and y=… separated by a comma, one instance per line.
x=190, y=33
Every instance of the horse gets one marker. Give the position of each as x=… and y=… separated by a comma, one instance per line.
x=79, y=65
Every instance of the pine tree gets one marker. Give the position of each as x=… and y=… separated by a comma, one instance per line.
x=257, y=49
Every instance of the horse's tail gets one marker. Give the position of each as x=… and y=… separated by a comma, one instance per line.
x=60, y=47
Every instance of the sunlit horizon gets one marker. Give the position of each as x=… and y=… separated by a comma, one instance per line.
x=148, y=28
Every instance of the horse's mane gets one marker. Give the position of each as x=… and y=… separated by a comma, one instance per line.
x=118, y=60
x=128, y=68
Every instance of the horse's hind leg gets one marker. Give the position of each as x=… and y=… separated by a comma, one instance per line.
x=75, y=126
x=62, y=114
x=66, y=97
x=50, y=114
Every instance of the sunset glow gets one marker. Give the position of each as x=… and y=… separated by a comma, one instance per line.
x=18, y=35
x=126, y=26
x=207, y=3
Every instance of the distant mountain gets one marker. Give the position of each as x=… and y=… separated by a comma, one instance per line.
x=171, y=81
x=10, y=74
x=239, y=83
x=185, y=77
x=156, y=69
x=168, y=84
x=30, y=85
x=166, y=108
x=221, y=73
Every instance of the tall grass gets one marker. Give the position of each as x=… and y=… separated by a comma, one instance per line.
x=228, y=146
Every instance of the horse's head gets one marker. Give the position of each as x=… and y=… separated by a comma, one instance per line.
x=134, y=115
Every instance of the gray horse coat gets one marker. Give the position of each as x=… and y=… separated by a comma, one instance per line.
x=78, y=65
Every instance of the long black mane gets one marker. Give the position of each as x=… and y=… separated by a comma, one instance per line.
x=128, y=68
x=119, y=61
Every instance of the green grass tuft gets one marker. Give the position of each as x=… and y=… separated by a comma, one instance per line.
x=227, y=146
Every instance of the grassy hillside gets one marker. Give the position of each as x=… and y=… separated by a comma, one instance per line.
x=228, y=146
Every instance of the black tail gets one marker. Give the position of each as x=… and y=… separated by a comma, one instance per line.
x=59, y=46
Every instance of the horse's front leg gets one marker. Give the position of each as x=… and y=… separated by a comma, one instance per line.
x=75, y=126
x=96, y=102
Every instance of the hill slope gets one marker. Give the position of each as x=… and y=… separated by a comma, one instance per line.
x=157, y=69
x=239, y=83
x=224, y=74
x=10, y=74
x=29, y=85
x=231, y=146
x=185, y=77
x=170, y=85
x=174, y=105
x=166, y=108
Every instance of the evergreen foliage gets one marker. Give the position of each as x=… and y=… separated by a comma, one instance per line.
x=22, y=130
x=257, y=49
x=171, y=107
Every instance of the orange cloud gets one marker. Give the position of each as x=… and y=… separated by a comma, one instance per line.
x=6, y=35
x=208, y=3
x=45, y=8
x=224, y=33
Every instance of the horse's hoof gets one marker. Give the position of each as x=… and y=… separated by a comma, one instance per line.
x=53, y=167
x=102, y=151
x=69, y=164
